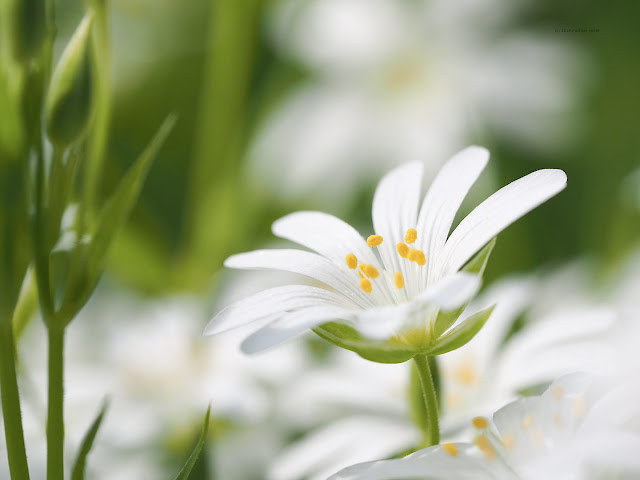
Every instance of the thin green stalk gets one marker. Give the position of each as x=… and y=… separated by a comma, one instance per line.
x=432, y=430
x=11, y=405
x=55, y=419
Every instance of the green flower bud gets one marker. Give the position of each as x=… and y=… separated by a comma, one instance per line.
x=26, y=26
x=68, y=107
x=33, y=27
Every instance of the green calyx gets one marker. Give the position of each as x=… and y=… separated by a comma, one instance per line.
x=69, y=100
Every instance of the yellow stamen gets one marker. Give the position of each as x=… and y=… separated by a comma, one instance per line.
x=465, y=373
x=509, y=441
x=483, y=443
x=361, y=274
x=558, y=393
x=558, y=421
x=450, y=448
x=352, y=261
x=411, y=236
x=526, y=423
x=538, y=436
x=374, y=240
x=365, y=284
x=369, y=270
x=480, y=423
x=417, y=256
x=403, y=249
x=454, y=400
x=399, y=280
x=578, y=407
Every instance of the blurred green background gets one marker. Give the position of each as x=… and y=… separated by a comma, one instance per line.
x=216, y=64
x=213, y=64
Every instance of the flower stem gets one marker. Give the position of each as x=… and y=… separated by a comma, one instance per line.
x=432, y=430
x=16, y=453
x=55, y=422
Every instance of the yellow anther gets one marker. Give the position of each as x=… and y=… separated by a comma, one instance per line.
x=450, y=448
x=403, y=249
x=483, y=443
x=417, y=256
x=361, y=274
x=526, y=423
x=558, y=421
x=480, y=423
x=538, y=436
x=374, y=240
x=411, y=236
x=509, y=441
x=352, y=261
x=454, y=400
x=365, y=284
x=578, y=407
x=369, y=270
x=399, y=280
x=465, y=374
x=558, y=393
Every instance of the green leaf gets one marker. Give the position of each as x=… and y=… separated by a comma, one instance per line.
x=376, y=351
x=70, y=95
x=111, y=220
x=476, y=265
x=186, y=470
x=26, y=307
x=461, y=334
x=87, y=442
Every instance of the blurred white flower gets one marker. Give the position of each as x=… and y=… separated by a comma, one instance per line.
x=149, y=358
x=395, y=80
x=571, y=432
x=397, y=292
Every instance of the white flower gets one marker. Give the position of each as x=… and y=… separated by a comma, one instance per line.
x=396, y=80
x=568, y=433
x=397, y=291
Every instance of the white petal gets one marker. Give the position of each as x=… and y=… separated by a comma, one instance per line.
x=443, y=200
x=395, y=209
x=326, y=234
x=383, y=322
x=452, y=292
x=340, y=444
x=432, y=463
x=497, y=212
x=310, y=264
x=291, y=325
x=269, y=302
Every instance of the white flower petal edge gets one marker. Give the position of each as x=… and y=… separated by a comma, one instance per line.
x=396, y=280
x=566, y=432
x=269, y=302
x=444, y=198
x=498, y=212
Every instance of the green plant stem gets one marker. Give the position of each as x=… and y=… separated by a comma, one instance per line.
x=432, y=430
x=16, y=453
x=55, y=419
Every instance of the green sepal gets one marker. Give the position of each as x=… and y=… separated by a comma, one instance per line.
x=87, y=442
x=461, y=334
x=111, y=220
x=193, y=458
x=381, y=351
x=69, y=100
x=476, y=265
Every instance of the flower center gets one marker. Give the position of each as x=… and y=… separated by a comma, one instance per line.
x=367, y=272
